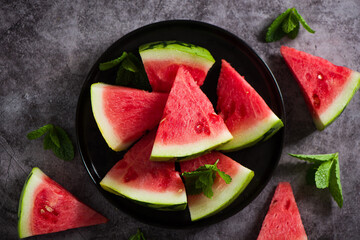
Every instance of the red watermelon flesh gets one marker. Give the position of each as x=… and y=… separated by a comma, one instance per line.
x=283, y=219
x=201, y=206
x=244, y=111
x=124, y=114
x=189, y=124
x=327, y=88
x=154, y=184
x=46, y=207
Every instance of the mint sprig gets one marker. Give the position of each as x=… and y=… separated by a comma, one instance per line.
x=130, y=72
x=137, y=236
x=202, y=179
x=325, y=173
x=287, y=23
x=56, y=139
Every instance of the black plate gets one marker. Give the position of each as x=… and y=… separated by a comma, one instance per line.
x=262, y=158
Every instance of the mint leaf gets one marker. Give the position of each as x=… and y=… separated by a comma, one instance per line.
x=137, y=236
x=310, y=174
x=274, y=32
x=54, y=137
x=202, y=179
x=66, y=150
x=39, y=132
x=127, y=64
x=322, y=175
x=293, y=34
x=320, y=158
x=289, y=23
x=110, y=64
x=303, y=22
x=335, y=184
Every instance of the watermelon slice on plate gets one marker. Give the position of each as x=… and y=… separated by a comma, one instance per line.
x=153, y=184
x=201, y=206
x=124, y=114
x=327, y=88
x=189, y=125
x=245, y=113
x=162, y=60
x=46, y=207
x=283, y=219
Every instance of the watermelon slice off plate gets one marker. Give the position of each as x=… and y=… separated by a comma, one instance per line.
x=124, y=114
x=46, y=207
x=189, y=125
x=153, y=184
x=162, y=60
x=201, y=206
x=327, y=88
x=245, y=113
x=283, y=219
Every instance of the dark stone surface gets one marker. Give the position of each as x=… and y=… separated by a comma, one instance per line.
x=48, y=47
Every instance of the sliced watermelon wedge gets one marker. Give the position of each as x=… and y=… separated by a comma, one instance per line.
x=46, y=207
x=189, y=125
x=201, y=206
x=327, y=88
x=162, y=60
x=283, y=219
x=153, y=184
x=245, y=113
x=124, y=114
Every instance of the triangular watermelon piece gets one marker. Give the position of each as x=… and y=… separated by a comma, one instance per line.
x=189, y=125
x=46, y=207
x=124, y=114
x=162, y=59
x=327, y=88
x=245, y=113
x=201, y=206
x=283, y=219
x=153, y=184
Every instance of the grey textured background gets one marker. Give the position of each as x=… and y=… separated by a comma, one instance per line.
x=47, y=48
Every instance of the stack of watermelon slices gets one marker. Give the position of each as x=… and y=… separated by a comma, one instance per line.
x=187, y=128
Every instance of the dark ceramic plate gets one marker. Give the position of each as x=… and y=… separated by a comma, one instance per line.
x=262, y=158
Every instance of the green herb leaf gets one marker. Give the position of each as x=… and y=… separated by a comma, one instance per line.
x=127, y=64
x=202, y=179
x=54, y=137
x=322, y=175
x=335, y=184
x=310, y=174
x=320, y=158
x=303, y=22
x=289, y=23
x=110, y=64
x=275, y=32
x=138, y=236
x=39, y=132
x=293, y=34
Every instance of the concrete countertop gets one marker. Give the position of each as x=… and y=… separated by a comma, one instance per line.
x=48, y=47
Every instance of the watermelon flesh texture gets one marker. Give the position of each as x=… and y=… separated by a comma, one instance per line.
x=124, y=114
x=201, y=206
x=162, y=60
x=283, y=219
x=245, y=113
x=46, y=207
x=153, y=184
x=327, y=88
x=189, y=124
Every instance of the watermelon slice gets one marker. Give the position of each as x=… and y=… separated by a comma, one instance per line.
x=201, y=206
x=245, y=113
x=153, y=184
x=46, y=207
x=283, y=219
x=189, y=125
x=327, y=88
x=162, y=60
x=124, y=114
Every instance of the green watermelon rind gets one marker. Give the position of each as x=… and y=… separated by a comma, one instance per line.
x=262, y=131
x=339, y=104
x=161, y=201
x=239, y=182
x=163, y=49
x=26, y=198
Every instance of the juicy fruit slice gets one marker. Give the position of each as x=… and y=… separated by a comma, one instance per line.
x=245, y=113
x=201, y=206
x=327, y=88
x=46, y=207
x=189, y=125
x=124, y=114
x=162, y=60
x=283, y=219
x=154, y=184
